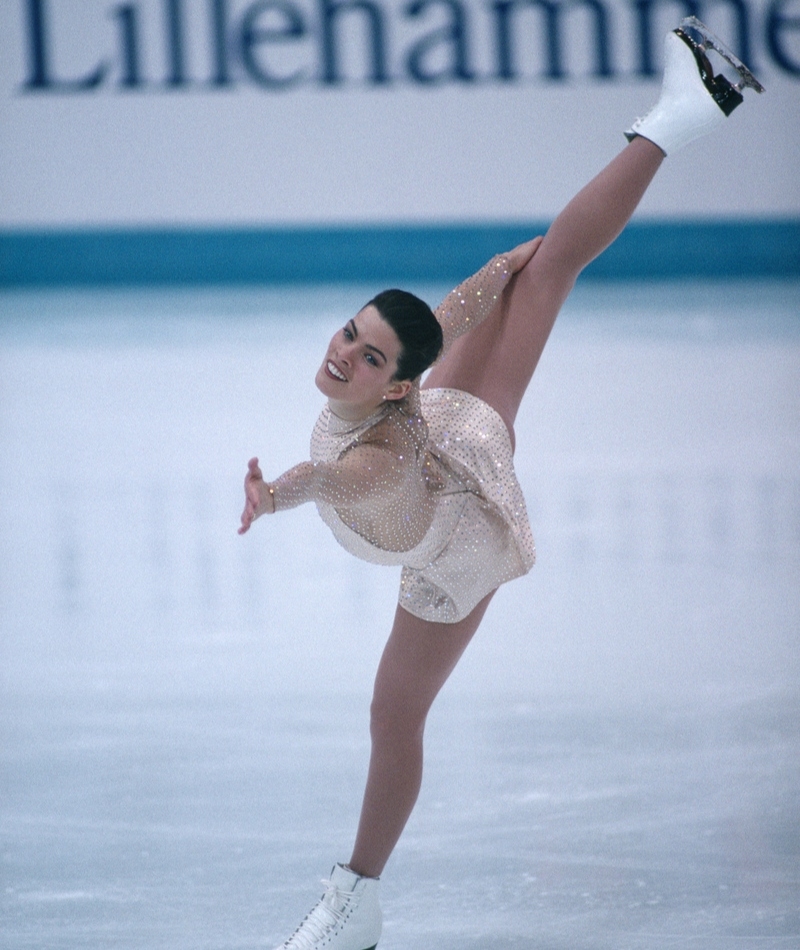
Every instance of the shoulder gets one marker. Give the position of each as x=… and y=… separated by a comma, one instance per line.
x=401, y=431
x=373, y=470
x=384, y=440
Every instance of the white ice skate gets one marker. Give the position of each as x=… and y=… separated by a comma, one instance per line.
x=693, y=100
x=346, y=917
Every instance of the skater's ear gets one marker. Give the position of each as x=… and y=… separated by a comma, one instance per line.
x=397, y=389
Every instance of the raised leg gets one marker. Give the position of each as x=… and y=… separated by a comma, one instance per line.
x=496, y=360
x=418, y=658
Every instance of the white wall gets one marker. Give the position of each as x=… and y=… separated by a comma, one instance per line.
x=192, y=152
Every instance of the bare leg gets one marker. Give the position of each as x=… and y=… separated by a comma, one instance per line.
x=496, y=360
x=418, y=658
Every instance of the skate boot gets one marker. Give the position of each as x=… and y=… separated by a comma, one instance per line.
x=346, y=917
x=693, y=100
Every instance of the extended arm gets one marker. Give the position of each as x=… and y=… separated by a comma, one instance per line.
x=364, y=472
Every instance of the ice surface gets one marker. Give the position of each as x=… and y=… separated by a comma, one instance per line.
x=614, y=764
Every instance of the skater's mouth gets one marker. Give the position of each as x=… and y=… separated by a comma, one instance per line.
x=334, y=372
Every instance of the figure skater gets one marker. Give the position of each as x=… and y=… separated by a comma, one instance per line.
x=422, y=475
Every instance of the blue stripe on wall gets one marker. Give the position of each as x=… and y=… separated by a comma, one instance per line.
x=652, y=250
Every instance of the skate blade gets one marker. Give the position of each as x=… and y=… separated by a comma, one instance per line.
x=707, y=40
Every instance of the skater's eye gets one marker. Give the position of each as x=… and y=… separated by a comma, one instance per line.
x=372, y=354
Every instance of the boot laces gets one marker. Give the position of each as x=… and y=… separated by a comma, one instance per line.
x=328, y=914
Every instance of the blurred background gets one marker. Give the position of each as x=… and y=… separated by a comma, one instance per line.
x=194, y=194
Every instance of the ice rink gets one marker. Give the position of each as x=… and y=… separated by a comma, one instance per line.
x=615, y=765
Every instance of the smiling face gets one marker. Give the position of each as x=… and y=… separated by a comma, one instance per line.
x=357, y=374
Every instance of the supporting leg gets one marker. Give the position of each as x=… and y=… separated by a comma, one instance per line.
x=418, y=658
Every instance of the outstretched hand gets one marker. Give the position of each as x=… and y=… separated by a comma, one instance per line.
x=256, y=496
x=522, y=253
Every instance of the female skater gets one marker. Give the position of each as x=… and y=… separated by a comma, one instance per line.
x=422, y=476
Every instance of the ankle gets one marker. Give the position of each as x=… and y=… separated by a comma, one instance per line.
x=363, y=869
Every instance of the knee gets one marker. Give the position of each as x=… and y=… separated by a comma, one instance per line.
x=549, y=275
x=396, y=716
x=526, y=276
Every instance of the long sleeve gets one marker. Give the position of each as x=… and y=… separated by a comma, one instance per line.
x=472, y=301
x=364, y=473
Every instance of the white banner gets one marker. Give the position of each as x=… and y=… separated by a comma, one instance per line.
x=271, y=112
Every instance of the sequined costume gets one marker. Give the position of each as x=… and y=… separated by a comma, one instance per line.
x=426, y=482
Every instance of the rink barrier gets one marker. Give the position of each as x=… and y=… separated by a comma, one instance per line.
x=148, y=256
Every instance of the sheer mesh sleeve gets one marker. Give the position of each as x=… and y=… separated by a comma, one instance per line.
x=473, y=300
x=364, y=473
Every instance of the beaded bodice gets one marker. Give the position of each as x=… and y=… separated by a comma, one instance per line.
x=389, y=493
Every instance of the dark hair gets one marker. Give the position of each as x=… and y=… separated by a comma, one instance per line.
x=416, y=327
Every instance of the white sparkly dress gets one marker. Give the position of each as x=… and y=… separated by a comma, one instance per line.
x=427, y=482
